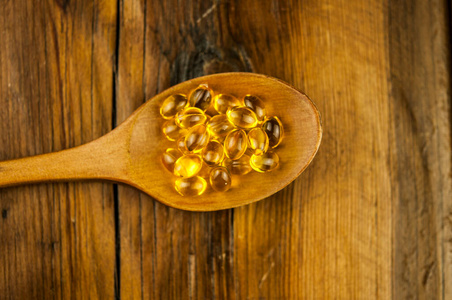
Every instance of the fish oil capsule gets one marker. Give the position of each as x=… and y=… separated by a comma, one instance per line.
x=256, y=105
x=265, y=162
x=213, y=153
x=189, y=117
x=187, y=165
x=219, y=127
x=169, y=158
x=240, y=166
x=257, y=141
x=223, y=102
x=201, y=97
x=274, y=130
x=235, y=144
x=197, y=138
x=242, y=117
x=193, y=186
x=171, y=130
x=172, y=105
x=220, y=179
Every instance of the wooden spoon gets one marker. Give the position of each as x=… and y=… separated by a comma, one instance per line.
x=132, y=152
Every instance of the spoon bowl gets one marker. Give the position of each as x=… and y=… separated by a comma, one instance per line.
x=132, y=152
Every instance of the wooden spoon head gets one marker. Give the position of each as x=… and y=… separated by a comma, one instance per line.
x=302, y=135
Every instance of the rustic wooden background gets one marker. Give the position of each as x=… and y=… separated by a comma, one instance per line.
x=371, y=218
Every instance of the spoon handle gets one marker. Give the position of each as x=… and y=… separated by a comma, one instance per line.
x=95, y=160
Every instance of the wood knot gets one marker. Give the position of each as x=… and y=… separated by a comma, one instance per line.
x=208, y=59
x=4, y=213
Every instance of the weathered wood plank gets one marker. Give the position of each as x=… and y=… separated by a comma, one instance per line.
x=419, y=48
x=56, y=87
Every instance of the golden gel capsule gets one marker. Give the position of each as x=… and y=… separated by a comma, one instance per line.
x=172, y=105
x=256, y=105
x=197, y=138
x=213, y=153
x=220, y=179
x=169, y=158
x=171, y=130
x=193, y=186
x=219, y=126
x=188, y=165
x=265, y=162
x=242, y=117
x=240, y=166
x=257, y=141
x=201, y=97
x=223, y=102
x=274, y=130
x=189, y=117
x=235, y=144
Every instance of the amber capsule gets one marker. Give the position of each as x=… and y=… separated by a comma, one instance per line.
x=223, y=102
x=213, y=153
x=256, y=105
x=169, y=158
x=220, y=179
x=188, y=165
x=235, y=144
x=240, y=166
x=265, y=162
x=274, y=130
x=193, y=186
x=189, y=117
x=171, y=130
x=219, y=126
x=197, y=138
x=172, y=105
x=242, y=117
x=257, y=141
x=201, y=97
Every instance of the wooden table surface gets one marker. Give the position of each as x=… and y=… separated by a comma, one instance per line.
x=371, y=218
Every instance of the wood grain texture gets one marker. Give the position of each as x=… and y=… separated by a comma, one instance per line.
x=55, y=92
x=369, y=219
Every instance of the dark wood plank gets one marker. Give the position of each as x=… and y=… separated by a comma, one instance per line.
x=56, y=87
x=167, y=253
x=420, y=66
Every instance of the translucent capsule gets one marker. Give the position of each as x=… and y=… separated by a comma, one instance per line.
x=257, y=141
x=169, y=158
x=265, y=162
x=187, y=165
x=171, y=130
x=242, y=117
x=240, y=166
x=193, y=186
x=223, y=102
x=213, y=153
x=219, y=126
x=274, y=130
x=220, y=179
x=189, y=117
x=172, y=105
x=256, y=105
x=197, y=138
x=201, y=97
x=235, y=144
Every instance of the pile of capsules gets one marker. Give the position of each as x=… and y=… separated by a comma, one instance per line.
x=232, y=137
